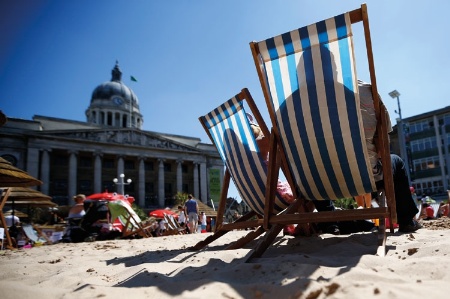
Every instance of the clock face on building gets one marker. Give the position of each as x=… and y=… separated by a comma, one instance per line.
x=117, y=101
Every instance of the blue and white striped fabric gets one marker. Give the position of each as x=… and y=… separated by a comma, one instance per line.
x=231, y=132
x=310, y=73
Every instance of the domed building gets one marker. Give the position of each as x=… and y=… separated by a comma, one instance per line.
x=72, y=157
x=114, y=104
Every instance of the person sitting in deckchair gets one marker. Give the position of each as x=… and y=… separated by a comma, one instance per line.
x=406, y=207
x=283, y=187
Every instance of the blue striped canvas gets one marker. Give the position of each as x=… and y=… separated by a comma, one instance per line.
x=231, y=132
x=311, y=77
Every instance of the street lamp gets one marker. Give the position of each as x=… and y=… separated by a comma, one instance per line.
x=401, y=132
x=395, y=94
x=122, y=183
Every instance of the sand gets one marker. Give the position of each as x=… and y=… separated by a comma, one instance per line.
x=416, y=265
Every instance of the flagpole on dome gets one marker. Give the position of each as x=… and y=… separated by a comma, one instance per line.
x=132, y=79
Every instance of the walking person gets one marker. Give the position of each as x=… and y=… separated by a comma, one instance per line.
x=191, y=208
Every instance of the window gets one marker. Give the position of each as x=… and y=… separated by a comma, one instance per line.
x=60, y=160
x=149, y=166
x=85, y=162
x=60, y=185
x=423, y=144
x=108, y=163
x=419, y=126
x=149, y=188
x=168, y=188
x=184, y=168
x=85, y=185
x=109, y=185
x=167, y=167
x=129, y=164
x=447, y=119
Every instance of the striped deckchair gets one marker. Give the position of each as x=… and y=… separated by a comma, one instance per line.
x=308, y=77
x=132, y=224
x=229, y=129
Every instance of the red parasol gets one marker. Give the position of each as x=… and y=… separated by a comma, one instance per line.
x=161, y=212
x=108, y=196
x=111, y=197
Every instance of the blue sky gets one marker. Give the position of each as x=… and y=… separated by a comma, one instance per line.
x=190, y=56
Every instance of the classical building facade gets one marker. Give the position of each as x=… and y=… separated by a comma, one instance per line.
x=72, y=157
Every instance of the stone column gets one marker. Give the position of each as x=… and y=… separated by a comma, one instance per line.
x=45, y=170
x=72, y=188
x=196, y=184
x=97, y=116
x=98, y=172
x=179, y=176
x=141, y=187
x=32, y=166
x=120, y=169
x=203, y=183
x=120, y=166
x=161, y=193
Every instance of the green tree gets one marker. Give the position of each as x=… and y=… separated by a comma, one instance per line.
x=180, y=198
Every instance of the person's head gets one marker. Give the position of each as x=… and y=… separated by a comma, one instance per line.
x=180, y=207
x=257, y=132
x=190, y=196
x=79, y=198
x=263, y=143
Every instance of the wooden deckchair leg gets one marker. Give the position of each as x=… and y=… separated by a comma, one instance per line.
x=9, y=243
x=244, y=240
x=273, y=233
x=209, y=240
x=272, y=178
x=42, y=234
x=382, y=229
x=223, y=200
x=220, y=232
x=266, y=241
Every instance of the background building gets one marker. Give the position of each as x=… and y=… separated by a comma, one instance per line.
x=426, y=145
x=73, y=157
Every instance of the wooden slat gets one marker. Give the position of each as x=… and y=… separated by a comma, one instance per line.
x=223, y=199
x=339, y=215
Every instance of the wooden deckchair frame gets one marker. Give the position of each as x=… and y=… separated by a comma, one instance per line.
x=382, y=212
x=39, y=233
x=248, y=221
x=130, y=220
x=9, y=243
x=173, y=227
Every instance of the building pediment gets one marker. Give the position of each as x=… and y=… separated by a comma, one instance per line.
x=122, y=136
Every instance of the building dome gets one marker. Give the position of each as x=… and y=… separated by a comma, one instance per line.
x=114, y=104
x=115, y=87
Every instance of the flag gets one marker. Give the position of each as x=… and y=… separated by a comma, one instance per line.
x=133, y=79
